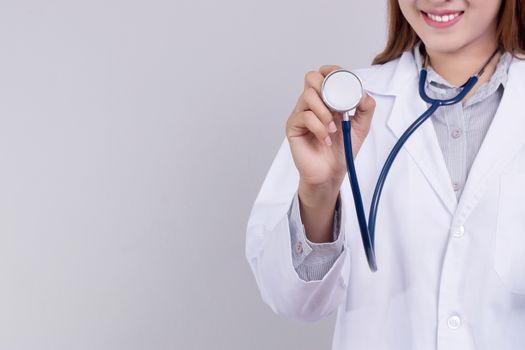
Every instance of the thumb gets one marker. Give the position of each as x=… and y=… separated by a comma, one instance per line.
x=366, y=107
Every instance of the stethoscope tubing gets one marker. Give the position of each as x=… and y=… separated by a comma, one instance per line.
x=368, y=230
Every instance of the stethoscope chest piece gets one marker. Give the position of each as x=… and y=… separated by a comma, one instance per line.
x=342, y=91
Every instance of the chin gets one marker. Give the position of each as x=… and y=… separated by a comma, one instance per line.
x=442, y=45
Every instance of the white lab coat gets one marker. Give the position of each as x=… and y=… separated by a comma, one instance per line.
x=450, y=275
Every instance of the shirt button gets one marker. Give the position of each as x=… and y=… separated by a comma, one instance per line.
x=456, y=186
x=454, y=322
x=459, y=231
x=299, y=248
x=456, y=133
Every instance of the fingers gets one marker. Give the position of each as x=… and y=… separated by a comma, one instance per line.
x=313, y=116
x=310, y=113
x=314, y=79
x=327, y=69
x=309, y=122
x=310, y=100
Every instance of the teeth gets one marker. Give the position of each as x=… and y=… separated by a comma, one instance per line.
x=446, y=18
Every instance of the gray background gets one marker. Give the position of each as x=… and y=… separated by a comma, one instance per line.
x=134, y=137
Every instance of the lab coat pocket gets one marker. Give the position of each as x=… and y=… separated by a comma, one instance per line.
x=509, y=260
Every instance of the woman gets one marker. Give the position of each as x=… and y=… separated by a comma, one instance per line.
x=450, y=233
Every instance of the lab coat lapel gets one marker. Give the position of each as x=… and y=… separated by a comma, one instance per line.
x=503, y=140
x=423, y=145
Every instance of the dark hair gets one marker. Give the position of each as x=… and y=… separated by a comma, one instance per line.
x=401, y=36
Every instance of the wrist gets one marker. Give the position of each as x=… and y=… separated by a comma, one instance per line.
x=318, y=195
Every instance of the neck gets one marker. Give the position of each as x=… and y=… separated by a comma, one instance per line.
x=456, y=67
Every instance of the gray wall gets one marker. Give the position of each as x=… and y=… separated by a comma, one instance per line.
x=134, y=137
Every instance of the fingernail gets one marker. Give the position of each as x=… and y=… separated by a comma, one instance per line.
x=331, y=127
x=328, y=141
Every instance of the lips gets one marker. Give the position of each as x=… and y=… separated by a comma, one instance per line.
x=442, y=18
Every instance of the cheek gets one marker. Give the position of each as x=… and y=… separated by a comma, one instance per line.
x=485, y=10
x=406, y=5
x=409, y=10
x=483, y=15
x=406, y=2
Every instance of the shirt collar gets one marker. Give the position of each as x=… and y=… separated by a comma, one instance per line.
x=434, y=79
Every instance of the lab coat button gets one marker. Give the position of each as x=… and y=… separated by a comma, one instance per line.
x=454, y=322
x=460, y=231
x=299, y=248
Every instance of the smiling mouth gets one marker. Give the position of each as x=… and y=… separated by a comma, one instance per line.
x=444, y=17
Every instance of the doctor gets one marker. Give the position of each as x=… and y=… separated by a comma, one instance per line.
x=450, y=233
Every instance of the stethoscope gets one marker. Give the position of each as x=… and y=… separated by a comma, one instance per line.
x=342, y=92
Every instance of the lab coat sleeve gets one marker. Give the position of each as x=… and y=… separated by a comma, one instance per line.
x=268, y=250
x=312, y=261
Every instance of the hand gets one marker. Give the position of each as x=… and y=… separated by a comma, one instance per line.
x=315, y=135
